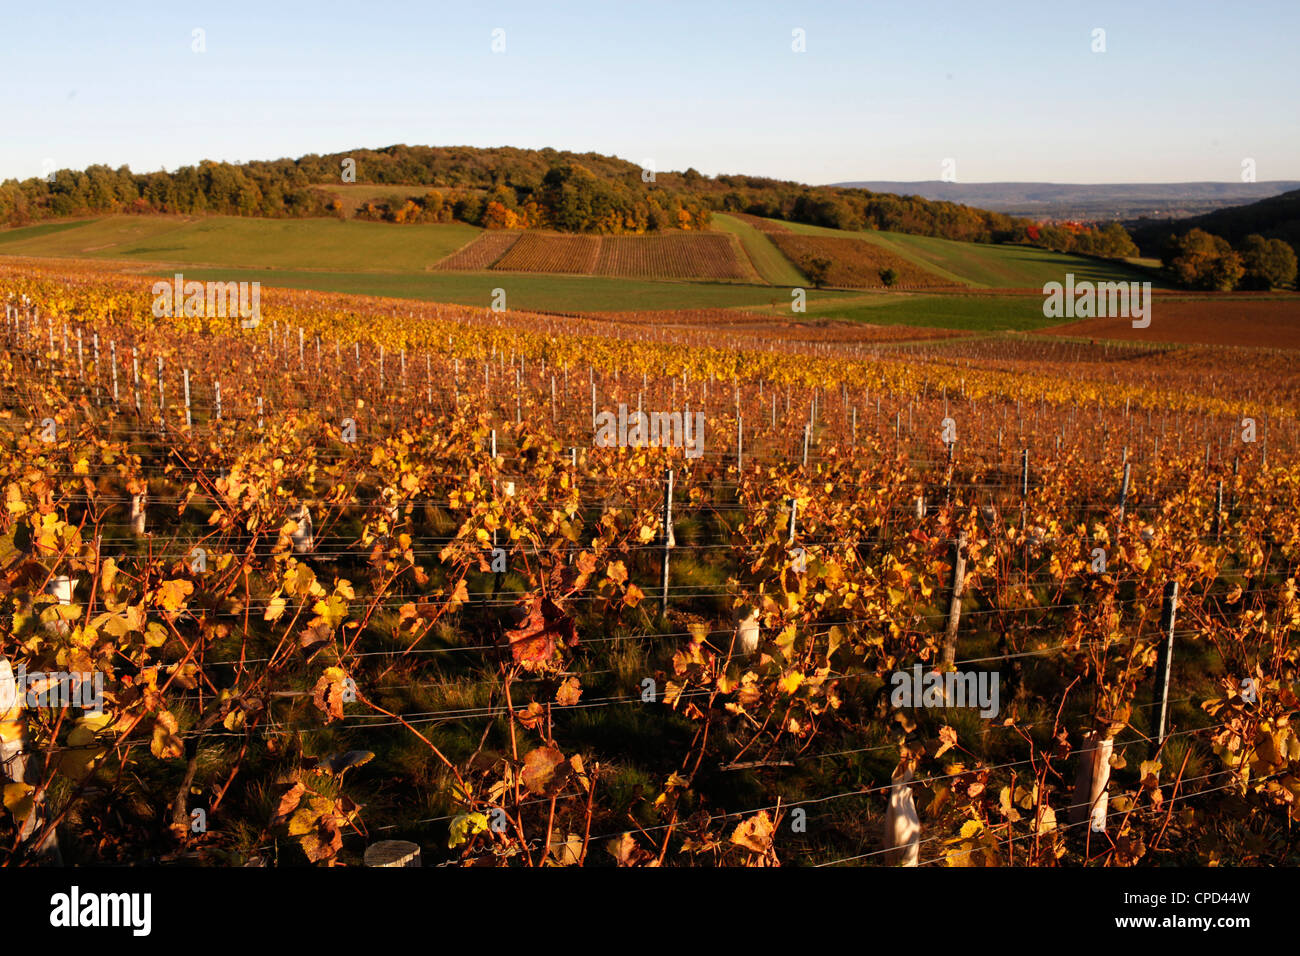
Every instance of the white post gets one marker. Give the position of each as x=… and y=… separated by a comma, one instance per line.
x=1089, y=800
x=902, y=825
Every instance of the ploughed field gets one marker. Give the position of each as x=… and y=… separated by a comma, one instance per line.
x=370, y=570
x=1260, y=321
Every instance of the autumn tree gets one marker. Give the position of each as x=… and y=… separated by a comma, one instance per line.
x=1198, y=260
x=818, y=270
x=1268, y=263
x=1112, y=241
x=497, y=216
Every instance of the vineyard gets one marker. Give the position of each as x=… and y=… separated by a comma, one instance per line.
x=482, y=252
x=770, y=226
x=678, y=255
x=546, y=252
x=674, y=256
x=759, y=328
x=361, y=573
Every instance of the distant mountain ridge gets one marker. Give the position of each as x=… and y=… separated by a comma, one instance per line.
x=1120, y=201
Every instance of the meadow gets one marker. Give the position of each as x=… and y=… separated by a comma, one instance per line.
x=988, y=265
x=291, y=244
x=768, y=260
x=462, y=264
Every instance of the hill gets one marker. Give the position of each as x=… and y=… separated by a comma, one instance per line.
x=769, y=261
x=308, y=244
x=1277, y=217
x=979, y=265
x=498, y=188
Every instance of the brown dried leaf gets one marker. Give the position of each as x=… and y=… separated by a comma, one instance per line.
x=569, y=692
x=542, y=773
x=533, y=643
x=288, y=803
x=327, y=695
x=947, y=740
x=755, y=834
x=627, y=851
x=166, y=744
x=531, y=716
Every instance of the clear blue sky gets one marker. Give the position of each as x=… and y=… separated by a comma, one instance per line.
x=885, y=90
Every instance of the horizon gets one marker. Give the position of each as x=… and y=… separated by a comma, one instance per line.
x=1045, y=182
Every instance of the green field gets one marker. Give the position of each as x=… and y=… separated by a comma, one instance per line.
x=87, y=238
x=987, y=265
x=30, y=232
x=552, y=293
x=973, y=313
x=382, y=259
x=298, y=244
x=338, y=246
x=771, y=263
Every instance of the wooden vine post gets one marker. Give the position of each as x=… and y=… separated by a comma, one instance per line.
x=1024, y=484
x=1165, y=660
x=740, y=444
x=669, y=541
x=954, y=603
x=1218, y=511
x=1123, y=501
x=947, y=483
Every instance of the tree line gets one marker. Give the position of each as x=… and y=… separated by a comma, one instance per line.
x=1199, y=260
x=518, y=188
